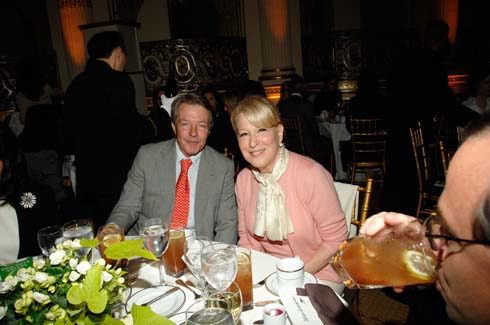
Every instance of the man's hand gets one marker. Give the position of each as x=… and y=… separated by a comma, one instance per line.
x=382, y=220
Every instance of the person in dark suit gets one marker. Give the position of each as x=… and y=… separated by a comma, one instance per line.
x=150, y=191
x=102, y=126
x=316, y=146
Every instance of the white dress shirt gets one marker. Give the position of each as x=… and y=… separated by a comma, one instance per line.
x=192, y=176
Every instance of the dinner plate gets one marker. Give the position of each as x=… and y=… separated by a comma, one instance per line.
x=166, y=306
x=272, y=285
x=178, y=319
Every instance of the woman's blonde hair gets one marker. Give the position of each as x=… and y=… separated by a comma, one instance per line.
x=258, y=111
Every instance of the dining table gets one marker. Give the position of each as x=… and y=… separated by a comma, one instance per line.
x=337, y=131
x=263, y=266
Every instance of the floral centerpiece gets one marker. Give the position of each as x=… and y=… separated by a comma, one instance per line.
x=62, y=289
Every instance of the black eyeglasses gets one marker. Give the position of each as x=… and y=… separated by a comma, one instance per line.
x=438, y=234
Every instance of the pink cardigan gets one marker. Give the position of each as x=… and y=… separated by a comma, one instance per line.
x=312, y=203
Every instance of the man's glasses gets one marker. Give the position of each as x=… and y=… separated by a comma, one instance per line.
x=438, y=234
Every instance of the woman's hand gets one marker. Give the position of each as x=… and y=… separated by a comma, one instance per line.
x=382, y=220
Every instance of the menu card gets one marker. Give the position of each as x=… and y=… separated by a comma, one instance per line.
x=300, y=310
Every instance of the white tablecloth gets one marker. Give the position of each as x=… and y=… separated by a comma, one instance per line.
x=338, y=132
x=262, y=266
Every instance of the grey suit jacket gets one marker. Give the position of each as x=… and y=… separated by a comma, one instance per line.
x=149, y=192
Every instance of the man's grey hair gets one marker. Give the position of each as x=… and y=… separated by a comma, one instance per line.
x=190, y=99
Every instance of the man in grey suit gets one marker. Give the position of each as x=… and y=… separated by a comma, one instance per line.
x=150, y=188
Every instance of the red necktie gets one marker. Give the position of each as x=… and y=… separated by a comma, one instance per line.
x=182, y=196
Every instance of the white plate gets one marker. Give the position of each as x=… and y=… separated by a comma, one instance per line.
x=178, y=319
x=272, y=286
x=166, y=306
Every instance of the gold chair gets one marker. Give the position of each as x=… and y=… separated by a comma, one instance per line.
x=369, y=147
x=428, y=193
x=293, y=134
x=445, y=156
x=366, y=191
x=355, y=202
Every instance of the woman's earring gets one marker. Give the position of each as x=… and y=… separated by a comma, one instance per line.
x=281, y=145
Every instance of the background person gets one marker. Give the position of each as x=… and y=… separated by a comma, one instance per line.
x=287, y=203
x=102, y=126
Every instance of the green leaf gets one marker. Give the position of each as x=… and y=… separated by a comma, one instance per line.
x=105, y=319
x=92, y=282
x=96, y=302
x=127, y=249
x=89, y=243
x=76, y=295
x=144, y=315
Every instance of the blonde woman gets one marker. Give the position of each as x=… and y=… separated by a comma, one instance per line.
x=287, y=204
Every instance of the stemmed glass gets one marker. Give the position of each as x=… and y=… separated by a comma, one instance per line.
x=78, y=229
x=231, y=294
x=47, y=238
x=155, y=233
x=219, y=264
x=209, y=311
x=192, y=259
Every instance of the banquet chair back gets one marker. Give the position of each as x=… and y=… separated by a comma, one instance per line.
x=352, y=199
x=428, y=194
x=235, y=160
x=369, y=148
x=293, y=134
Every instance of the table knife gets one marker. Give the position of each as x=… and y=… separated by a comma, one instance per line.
x=163, y=295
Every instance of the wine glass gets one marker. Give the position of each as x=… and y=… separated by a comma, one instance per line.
x=47, y=238
x=155, y=235
x=210, y=312
x=192, y=258
x=231, y=294
x=219, y=264
x=78, y=229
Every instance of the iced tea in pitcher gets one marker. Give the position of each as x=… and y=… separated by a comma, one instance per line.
x=395, y=257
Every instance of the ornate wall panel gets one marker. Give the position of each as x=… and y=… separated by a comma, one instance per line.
x=194, y=61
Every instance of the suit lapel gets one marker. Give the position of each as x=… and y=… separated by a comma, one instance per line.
x=205, y=178
x=167, y=172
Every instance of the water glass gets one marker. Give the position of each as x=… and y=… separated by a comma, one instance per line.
x=47, y=238
x=155, y=234
x=192, y=259
x=219, y=264
x=78, y=229
x=209, y=312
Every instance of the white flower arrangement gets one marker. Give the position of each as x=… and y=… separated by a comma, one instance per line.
x=61, y=290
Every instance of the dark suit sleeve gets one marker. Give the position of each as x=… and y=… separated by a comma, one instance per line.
x=127, y=209
x=226, y=226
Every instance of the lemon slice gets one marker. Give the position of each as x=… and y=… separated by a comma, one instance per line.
x=175, y=234
x=111, y=239
x=419, y=265
x=243, y=258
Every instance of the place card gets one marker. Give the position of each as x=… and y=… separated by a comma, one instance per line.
x=300, y=310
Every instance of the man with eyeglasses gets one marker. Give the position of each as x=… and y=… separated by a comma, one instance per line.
x=460, y=232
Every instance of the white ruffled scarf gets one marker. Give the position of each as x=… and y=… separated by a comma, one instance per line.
x=272, y=218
